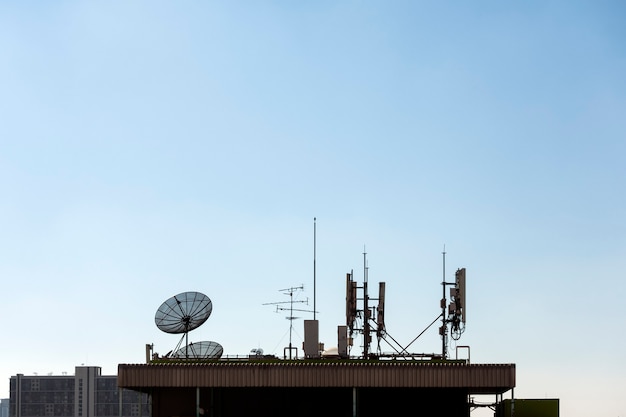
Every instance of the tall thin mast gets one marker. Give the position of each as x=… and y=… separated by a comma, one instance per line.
x=366, y=311
x=314, y=254
x=444, y=331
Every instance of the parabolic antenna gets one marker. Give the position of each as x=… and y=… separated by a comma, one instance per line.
x=200, y=350
x=183, y=312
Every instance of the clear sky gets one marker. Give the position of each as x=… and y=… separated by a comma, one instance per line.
x=149, y=148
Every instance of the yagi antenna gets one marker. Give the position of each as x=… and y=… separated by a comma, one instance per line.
x=279, y=307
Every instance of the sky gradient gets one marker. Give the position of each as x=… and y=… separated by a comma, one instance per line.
x=152, y=148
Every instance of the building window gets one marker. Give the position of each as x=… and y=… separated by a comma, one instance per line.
x=34, y=384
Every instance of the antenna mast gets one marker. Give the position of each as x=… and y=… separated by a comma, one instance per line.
x=366, y=310
x=290, y=291
x=366, y=313
x=444, y=328
x=456, y=309
x=314, y=254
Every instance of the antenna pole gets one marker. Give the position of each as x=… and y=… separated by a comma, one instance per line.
x=444, y=330
x=314, y=254
x=366, y=311
x=290, y=320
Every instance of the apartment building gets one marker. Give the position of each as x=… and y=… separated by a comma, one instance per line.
x=87, y=393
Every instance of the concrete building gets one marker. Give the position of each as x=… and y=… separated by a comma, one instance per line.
x=307, y=388
x=87, y=393
x=4, y=407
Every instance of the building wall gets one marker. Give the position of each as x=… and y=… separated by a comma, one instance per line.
x=85, y=394
x=477, y=378
x=4, y=407
x=544, y=407
x=308, y=402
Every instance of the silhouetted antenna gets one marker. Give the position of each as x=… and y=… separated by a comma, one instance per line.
x=380, y=317
x=314, y=256
x=280, y=307
x=443, y=330
x=374, y=315
x=351, y=301
x=366, y=310
x=456, y=309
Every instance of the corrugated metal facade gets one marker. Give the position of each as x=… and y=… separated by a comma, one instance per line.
x=476, y=378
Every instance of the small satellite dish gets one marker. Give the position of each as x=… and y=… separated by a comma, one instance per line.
x=200, y=350
x=183, y=312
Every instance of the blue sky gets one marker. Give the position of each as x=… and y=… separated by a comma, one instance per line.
x=151, y=148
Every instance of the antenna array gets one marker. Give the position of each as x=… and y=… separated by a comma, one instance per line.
x=373, y=319
x=456, y=309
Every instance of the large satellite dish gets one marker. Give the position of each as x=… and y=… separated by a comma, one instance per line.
x=200, y=350
x=181, y=314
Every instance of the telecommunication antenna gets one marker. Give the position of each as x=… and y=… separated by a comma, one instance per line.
x=314, y=255
x=280, y=306
x=443, y=330
x=370, y=315
x=367, y=338
x=455, y=310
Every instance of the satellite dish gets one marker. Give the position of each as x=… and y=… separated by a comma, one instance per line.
x=183, y=312
x=200, y=350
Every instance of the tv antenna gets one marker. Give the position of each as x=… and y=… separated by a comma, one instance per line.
x=183, y=313
x=280, y=306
